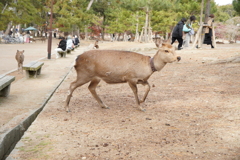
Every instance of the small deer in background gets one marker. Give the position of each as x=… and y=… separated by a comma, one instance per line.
x=43, y=39
x=20, y=58
x=96, y=45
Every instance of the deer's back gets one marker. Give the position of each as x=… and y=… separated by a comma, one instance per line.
x=113, y=66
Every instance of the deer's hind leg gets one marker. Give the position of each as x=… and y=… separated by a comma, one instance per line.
x=79, y=82
x=92, y=88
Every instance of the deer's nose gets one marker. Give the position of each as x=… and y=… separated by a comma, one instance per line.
x=178, y=58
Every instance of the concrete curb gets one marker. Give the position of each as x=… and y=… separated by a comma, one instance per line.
x=11, y=138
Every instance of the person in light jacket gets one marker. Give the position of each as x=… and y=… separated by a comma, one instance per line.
x=189, y=24
x=70, y=44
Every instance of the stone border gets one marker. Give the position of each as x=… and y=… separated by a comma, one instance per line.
x=10, y=138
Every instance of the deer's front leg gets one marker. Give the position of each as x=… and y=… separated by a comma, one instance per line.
x=92, y=88
x=135, y=91
x=147, y=91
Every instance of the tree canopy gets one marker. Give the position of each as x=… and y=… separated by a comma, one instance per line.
x=111, y=16
x=236, y=6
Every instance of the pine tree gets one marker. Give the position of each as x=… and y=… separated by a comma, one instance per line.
x=236, y=6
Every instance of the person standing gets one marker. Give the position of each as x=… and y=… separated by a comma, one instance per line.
x=208, y=31
x=178, y=33
x=55, y=34
x=189, y=30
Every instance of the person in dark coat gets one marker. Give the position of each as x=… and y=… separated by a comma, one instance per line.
x=61, y=46
x=76, y=42
x=208, y=31
x=178, y=33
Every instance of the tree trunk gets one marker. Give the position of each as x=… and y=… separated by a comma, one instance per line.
x=119, y=35
x=78, y=33
x=205, y=21
x=89, y=4
x=140, y=38
x=199, y=38
x=20, y=29
x=213, y=37
x=149, y=31
x=4, y=8
x=146, y=26
x=8, y=28
x=102, y=33
x=137, y=34
x=86, y=33
x=125, y=37
x=167, y=35
x=14, y=31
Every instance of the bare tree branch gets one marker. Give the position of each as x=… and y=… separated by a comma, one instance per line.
x=90, y=4
x=4, y=8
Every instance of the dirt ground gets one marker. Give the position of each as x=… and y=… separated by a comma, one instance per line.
x=192, y=112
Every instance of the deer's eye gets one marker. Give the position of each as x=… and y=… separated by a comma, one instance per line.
x=166, y=51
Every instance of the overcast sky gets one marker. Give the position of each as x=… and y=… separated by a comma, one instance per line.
x=223, y=2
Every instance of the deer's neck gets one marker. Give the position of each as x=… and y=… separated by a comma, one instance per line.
x=158, y=63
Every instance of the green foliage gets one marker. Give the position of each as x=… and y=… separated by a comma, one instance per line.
x=163, y=22
x=224, y=13
x=72, y=13
x=184, y=8
x=19, y=12
x=124, y=20
x=113, y=16
x=236, y=6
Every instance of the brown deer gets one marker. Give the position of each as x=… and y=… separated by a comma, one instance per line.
x=114, y=66
x=219, y=42
x=43, y=39
x=20, y=58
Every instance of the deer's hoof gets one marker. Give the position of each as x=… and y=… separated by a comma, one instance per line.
x=143, y=110
x=141, y=101
x=67, y=110
x=105, y=107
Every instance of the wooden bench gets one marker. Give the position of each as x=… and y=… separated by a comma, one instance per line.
x=5, y=83
x=68, y=51
x=33, y=68
x=62, y=53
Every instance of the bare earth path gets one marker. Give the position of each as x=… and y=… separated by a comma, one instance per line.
x=193, y=111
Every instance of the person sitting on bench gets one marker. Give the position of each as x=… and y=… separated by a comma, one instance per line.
x=76, y=42
x=61, y=46
x=70, y=44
